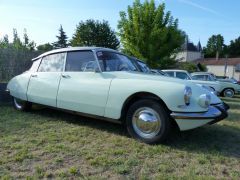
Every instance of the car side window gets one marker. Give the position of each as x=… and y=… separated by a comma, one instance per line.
x=182, y=75
x=52, y=63
x=170, y=73
x=83, y=61
x=199, y=77
x=35, y=65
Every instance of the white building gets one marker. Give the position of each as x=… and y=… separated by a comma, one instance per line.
x=189, y=52
x=222, y=67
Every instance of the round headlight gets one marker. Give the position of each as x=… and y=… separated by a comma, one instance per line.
x=187, y=95
x=204, y=100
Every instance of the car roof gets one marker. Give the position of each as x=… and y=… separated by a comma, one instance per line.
x=174, y=70
x=73, y=49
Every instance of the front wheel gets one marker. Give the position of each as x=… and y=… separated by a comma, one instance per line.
x=148, y=121
x=21, y=105
x=228, y=93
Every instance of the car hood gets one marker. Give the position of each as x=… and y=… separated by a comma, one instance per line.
x=145, y=76
x=229, y=85
x=153, y=77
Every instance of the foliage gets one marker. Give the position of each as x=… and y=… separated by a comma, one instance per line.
x=188, y=66
x=202, y=67
x=149, y=33
x=45, y=47
x=234, y=48
x=61, y=39
x=15, y=56
x=215, y=46
x=95, y=33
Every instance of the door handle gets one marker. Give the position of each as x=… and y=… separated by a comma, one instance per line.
x=34, y=75
x=66, y=76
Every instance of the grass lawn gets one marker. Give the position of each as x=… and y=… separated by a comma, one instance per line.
x=51, y=144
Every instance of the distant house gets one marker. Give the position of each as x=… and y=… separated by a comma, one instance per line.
x=189, y=52
x=222, y=67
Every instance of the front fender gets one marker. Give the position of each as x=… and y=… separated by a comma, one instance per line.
x=170, y=92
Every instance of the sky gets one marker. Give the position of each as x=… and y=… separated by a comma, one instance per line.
x=198, y=18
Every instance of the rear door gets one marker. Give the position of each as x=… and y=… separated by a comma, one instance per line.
x=81, y=88
x=43, y=84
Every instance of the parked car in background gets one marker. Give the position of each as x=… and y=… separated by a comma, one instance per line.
x=230, y=80
x=227, y=89
x=182, y=74
x=106, y=84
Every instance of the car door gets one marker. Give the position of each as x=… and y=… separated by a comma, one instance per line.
x=82, y=89
x=43, y=84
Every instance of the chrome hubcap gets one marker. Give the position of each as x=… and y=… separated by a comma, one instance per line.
x=18, y=103
x=146, y=122
x=229, y=93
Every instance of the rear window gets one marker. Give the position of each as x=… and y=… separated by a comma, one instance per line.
x=52, y=63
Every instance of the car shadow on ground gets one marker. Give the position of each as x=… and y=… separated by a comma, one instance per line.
x=222, y=139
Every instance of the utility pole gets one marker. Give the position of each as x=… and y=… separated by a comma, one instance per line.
x=225, y=66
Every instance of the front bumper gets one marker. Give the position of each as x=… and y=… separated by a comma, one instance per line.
x=215, y=113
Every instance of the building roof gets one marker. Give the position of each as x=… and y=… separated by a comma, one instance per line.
x=189, y=46
x=219, y=62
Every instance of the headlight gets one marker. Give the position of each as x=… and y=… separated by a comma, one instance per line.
x=204, y=100
x=187, y=95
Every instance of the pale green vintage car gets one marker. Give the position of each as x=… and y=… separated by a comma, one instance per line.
x=106, y=84
x=227, y=89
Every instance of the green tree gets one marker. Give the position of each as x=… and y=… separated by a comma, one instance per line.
x=150, y=33
x=16, y=40
x=188, y=66
x=215, y=46
x=4, y=43
x=61, y=39
x=45, y=47
x=95, y=33
x=234, y=48
x=25, y=38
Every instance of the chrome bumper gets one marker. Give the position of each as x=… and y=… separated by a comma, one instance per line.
x=215, y=112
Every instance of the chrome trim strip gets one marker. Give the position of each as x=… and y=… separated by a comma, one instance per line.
x=212, y=113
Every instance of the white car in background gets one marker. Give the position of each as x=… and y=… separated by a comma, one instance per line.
x=182, y=74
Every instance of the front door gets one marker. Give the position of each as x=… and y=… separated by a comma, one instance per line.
x=81, y=88
x=43, y=84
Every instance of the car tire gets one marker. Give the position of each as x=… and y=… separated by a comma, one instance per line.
x=21, y=105
x=228, y=93
x=148, y=121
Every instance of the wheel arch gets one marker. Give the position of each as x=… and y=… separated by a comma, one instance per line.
x=137, y=96
x=144, y=95
x=222, y=93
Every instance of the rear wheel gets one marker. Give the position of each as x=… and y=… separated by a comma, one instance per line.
x=21, y=105
x=228, y=93
x=148, y=121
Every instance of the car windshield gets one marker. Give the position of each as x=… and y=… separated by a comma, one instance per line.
x=111, y=61
x=144, y=68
